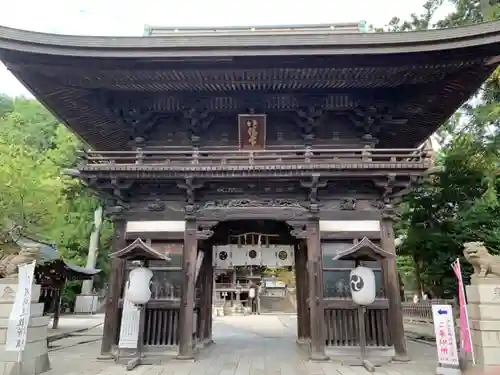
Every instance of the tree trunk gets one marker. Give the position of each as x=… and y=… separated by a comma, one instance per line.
x=418, y=277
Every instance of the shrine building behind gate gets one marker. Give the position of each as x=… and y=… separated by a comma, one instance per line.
x=306, y=134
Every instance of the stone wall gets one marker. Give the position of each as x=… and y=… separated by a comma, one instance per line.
x=35, y=359
x=484, y=316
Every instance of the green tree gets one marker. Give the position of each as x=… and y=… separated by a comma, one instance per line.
x=456, y=205
x=459, y=203
x=28, y=194
x=35, y=196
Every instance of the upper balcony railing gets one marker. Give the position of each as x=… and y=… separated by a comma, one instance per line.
x=417, y=158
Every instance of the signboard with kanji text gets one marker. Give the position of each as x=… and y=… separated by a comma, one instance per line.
x=20, y=315
x=446, y=341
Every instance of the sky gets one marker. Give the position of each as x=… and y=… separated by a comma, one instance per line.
x=128, y=17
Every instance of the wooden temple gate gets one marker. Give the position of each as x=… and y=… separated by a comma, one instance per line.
x=326, y=314
x=200, y=129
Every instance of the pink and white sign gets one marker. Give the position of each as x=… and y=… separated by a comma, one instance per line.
x=446, y=341
x=465, y=335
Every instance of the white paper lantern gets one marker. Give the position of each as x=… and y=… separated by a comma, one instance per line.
x=362, y=284
x=138, y=291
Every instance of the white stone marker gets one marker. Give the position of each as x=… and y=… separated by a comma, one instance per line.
x=35, y=358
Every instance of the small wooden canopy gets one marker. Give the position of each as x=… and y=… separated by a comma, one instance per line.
x=364, y=250
x=51, y=267
x=139, y=250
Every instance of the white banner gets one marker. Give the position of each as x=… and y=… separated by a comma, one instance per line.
x=17, y=330
x=446, y=341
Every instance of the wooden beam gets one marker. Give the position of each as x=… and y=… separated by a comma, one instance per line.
x=345, y=304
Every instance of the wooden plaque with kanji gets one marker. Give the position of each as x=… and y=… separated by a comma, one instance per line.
x=252, y=132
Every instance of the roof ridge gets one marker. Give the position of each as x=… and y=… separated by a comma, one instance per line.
x=149, y=30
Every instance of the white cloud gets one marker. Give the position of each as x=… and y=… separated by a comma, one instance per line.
x=128, y=17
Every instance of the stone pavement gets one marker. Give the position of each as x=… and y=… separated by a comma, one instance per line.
x=69, y=324
x=420, y=329
x=251, y=345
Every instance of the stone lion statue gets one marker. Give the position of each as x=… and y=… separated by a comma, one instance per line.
x=483, y=263
x=10, y=262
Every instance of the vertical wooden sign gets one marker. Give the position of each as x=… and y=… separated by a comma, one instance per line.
x=129, y=327
x=252, y=132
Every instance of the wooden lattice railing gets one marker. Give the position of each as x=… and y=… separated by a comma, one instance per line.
x=342, y=324
x=394, y=158
x=161, y=324
x=342, y=328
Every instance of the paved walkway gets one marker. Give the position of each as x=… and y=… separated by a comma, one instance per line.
x=69, y=324
x=252, y=345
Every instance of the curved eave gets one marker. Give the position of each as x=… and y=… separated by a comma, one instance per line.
x=364, y=249
x=68, y=269
x=81, y=271
x=139, y=249
x=209, y=44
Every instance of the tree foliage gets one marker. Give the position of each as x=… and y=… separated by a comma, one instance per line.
x=35, y=196
x=460, y=203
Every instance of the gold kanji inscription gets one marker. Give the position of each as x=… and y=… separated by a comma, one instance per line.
x=253, y=132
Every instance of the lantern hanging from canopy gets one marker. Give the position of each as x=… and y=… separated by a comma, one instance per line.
x=139, y=291
x=362, y=284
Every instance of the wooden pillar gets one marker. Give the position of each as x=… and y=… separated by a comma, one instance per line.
x=201, y=285
x=111, y=321
x=315, y=278
x=188, y=291
x=205, y=284
x=210, y=294
x=301, y=293
x=57, y=305
x=391, y=281
x=305, y=294
x=298, y=286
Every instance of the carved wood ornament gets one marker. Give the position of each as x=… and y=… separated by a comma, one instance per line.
x=348, y=204
x=247, y=203
x=371, y=116
x=156, y=206
x=139, y=121
x=205, y=229
x=198, y=121
x=314, y=185
x=308, y=118
x=190, y=186
x=298, y=229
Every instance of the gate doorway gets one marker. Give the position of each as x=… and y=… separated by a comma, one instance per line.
x=255, y=265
